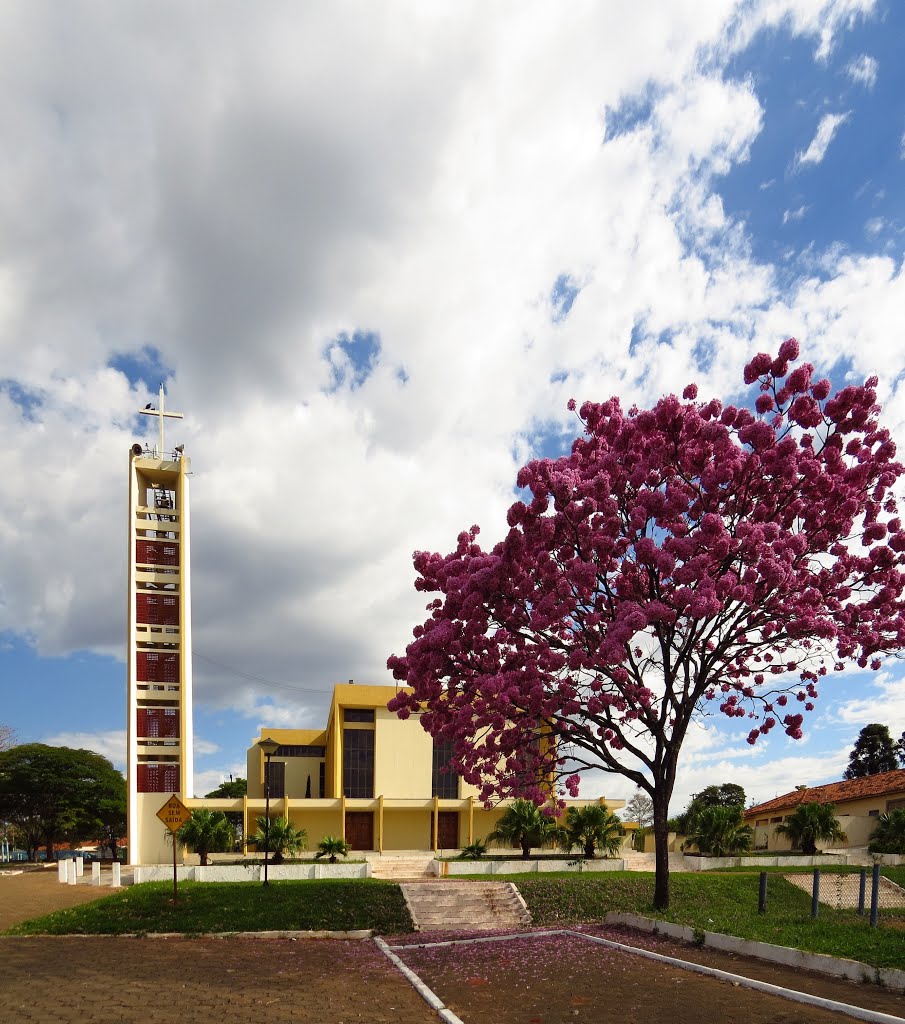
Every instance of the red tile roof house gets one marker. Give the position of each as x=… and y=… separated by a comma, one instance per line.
x=859, y=802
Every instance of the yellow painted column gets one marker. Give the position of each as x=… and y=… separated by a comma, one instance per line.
x=436, y=821
x=342, y=814
x=380, y=823
x=245, y=825
x=470, y=820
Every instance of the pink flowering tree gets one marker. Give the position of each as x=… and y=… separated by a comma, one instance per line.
x=683, y=559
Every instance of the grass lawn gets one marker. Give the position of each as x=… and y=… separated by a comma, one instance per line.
x=234, y=906
x=722, y=903
x=719, y=902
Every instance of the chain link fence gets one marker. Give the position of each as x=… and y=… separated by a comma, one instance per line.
x=866, y=891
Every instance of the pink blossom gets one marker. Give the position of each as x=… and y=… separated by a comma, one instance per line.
x=679, y=555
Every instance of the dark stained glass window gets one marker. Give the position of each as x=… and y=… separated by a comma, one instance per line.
x=444, y=784
x=358, y=763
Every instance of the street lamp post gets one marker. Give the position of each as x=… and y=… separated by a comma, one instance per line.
x=268, y=749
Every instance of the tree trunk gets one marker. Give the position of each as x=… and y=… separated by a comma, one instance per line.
x=661, y=850
x=526, y=850
x=203, y=855
x=589, y=849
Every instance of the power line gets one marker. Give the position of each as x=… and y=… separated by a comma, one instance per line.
x=257, y=679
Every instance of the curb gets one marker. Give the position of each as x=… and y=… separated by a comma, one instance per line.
x=353, y=935
x=853, y=970
x=427, y=994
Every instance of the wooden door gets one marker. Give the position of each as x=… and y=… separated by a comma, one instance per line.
x=360, y=830
x=448, y=830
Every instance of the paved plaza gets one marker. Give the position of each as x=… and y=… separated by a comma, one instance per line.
x=117, y=980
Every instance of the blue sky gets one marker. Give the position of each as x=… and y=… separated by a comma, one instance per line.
x=372, y=258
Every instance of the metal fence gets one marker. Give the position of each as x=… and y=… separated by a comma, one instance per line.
x=866, y=891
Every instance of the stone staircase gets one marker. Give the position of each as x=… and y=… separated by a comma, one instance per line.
x=647, y=861
x=402, y=866
x=462, y=906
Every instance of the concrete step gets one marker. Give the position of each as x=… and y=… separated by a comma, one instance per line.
x=396, y=868
x=453, y=906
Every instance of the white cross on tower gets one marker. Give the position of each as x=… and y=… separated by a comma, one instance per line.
x=159, y=412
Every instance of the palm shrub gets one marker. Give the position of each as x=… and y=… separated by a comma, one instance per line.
x=524, y=824
x=207, y=832
x=594, y=827
x=718, y=832
x=281, y=839
x=889, y=835
x=331, y=846
x=810, y=824
x=473, y=851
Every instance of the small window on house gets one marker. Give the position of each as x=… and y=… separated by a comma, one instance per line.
x=775, y=821
x=760, y=821
x=875, y=813
x=358, y=715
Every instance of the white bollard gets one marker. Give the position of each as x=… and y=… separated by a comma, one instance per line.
x=79, y=867
x=70, y=870
x=61, y=871
x=96, y=873
x=115, y=882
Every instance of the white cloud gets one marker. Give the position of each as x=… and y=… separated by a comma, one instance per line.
x=816, y=151
x=426, y=174
x=797, y=214
x=863, y=70
x=884, y=701
x=110, y=744
x=208, y=781
x=203, y=747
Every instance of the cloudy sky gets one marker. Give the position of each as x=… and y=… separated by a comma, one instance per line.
x=372, y=250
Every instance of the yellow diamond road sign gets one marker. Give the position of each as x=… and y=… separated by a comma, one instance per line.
x=174, y=814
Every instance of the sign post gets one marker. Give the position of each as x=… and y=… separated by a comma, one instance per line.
x=174, y=814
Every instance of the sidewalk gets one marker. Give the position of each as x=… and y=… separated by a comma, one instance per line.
x=34, y=893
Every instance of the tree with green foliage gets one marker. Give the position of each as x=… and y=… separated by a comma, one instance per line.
x=331, y=847
x=729, y=794
x=810, y=824
x=60, y=792
x=282, y=838
x=525, y=825
x=233, y=789
x=889, y=835
x=207, y=832
x=593, y=827
x=874, y=752
x=718, y=831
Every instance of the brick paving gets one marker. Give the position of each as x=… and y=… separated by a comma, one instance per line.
x=115, y=980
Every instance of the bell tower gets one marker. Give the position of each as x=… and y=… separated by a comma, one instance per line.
x=159, y=634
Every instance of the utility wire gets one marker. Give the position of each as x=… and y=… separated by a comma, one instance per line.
x=257, y=679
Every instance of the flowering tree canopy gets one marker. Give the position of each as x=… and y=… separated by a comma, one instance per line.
x=681, y=559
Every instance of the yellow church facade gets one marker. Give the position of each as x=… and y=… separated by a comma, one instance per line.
x=370, y=777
